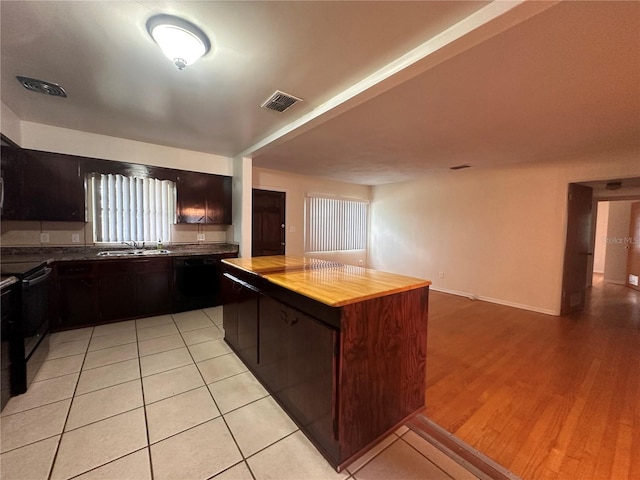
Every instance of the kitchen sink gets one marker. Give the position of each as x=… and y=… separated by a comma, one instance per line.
x=131, y=253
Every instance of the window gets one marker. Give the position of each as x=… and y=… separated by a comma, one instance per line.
x=129, y=209
x=335, y=224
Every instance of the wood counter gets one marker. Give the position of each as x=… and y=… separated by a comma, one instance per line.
x=331, y=283
x=341, y=348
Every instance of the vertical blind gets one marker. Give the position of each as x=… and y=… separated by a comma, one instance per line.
x=129, y=209
x=334, y=224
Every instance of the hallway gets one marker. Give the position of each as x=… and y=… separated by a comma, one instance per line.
x=545, y=397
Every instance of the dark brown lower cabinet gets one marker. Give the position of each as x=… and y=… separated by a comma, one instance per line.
x=298, y=365
x=240, y=318
x=76, y=295
x=94, y=292
x=348, y=376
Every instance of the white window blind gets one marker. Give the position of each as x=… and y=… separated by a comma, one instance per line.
x=129, y=209
x=335, y=224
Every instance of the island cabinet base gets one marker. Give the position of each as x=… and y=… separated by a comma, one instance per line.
x=348, y=376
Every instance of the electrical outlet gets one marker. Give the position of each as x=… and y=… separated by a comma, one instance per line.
x=75, y=238
x=200, y=237
x=360, y=262
x=292, y=229
x=44, y=238
x=441, y=274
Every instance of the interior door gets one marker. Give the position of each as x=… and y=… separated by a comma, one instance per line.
x=577, y=248
x=268, y=221
x=633, y=247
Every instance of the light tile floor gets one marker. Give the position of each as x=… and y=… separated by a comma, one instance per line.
x=165, y=398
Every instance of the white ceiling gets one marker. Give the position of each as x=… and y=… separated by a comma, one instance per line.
x=391, y=89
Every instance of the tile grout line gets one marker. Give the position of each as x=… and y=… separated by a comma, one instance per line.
x=218, y=408
x=66, y=420
x=431, y=461
x=144, y=407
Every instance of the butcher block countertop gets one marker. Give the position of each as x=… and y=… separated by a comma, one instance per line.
x=331, y=283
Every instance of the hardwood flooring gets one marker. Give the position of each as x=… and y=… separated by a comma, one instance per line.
x=546, y=397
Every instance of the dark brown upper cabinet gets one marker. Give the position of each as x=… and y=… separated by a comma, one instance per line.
x=42, y=186
x=203, y=198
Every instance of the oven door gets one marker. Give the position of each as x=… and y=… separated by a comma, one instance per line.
x=31, y=331
x=35, y=309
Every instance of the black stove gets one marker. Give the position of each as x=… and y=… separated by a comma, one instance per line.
x=26, y=324
x=21, y=269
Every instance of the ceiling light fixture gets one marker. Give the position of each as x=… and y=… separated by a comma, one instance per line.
x=181, y=41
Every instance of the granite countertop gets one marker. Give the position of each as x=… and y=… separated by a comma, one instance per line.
x=67, y=254
x=331, y=283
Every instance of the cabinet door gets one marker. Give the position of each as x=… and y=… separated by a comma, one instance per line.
x=309, y=392
x=230, y=311
x=191, y=197
x=77, y=294
x=248, y=299
x=115, y=290
x=240, y=318
x=152, y=287
x=273, y=332
x=218, y=197
x=13, y=162
x=54, y=187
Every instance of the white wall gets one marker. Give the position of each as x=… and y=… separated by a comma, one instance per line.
x=10, y=124
x=498, y=234
x=615, y=270
x=296, y=188
x=37, y=136
x=242, y=178
x=600, y=248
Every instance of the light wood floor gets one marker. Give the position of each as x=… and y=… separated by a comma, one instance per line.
x=546, y=397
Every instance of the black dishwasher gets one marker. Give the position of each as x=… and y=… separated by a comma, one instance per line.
x=196, y=282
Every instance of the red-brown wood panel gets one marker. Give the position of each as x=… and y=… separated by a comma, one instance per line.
x=382, y=366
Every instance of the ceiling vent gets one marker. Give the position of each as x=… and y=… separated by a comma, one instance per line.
x=613, y=185
x=280, y=101
x=460, y=167
x=41, y=86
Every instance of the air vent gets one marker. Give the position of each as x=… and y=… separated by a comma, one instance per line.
x=41, y=86
x=280, y=101
x=460, y=167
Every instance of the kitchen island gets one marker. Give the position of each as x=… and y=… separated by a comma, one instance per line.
x=341, y=348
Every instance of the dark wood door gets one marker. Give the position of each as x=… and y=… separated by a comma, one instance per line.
x=54, y=187
x=191, y=200
x=272, y=369
x=77, y=295
x=153, y=291
x=218, y=200
x=268, y=223
x=13, y=163
x=577, y=248
x=248, y=325
x=633, y=247
x=310, y=386
x=230, y=311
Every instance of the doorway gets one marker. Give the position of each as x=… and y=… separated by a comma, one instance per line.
x=582, y=219
x=616, y=259
x=268, y=223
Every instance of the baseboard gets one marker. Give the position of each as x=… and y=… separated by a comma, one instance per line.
x=468, y=457
x=506, y=303
x=615, y=282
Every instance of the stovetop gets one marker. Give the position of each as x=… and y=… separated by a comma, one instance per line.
x=21, y=269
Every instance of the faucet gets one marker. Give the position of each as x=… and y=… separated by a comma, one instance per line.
x=134, y=245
